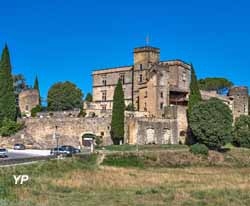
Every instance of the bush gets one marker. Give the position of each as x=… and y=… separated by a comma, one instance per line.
x=10, y=127
x=211, y=123
x=35, y=110
x=241, y=134
x=199, y=149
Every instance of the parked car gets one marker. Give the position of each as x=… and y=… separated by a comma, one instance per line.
x=65, y=150
x=19, y=147
x=3, y=152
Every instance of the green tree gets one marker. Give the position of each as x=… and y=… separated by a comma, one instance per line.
x=215, y=84
x=88, y=98
x=36, y=86
x=64, y=96
x=211, y=123
x=241, y=137
x=117, y=123
x=8, y=109
x=195, y=95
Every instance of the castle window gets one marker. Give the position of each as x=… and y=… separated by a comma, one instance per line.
x=27, y=107
x=122, y=78
x=145, y=106
x=104, y=95
x=184, y=77
x=141, y=78
x=161, y=105
x=141, y=67
x=104, y=107
x=104, y=82
x=102, y=134
x=146, y=94
x=161, y=94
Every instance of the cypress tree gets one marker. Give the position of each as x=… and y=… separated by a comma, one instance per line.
x=36, y=86
x=195, y=95
x=117, y=123
x=8, y=108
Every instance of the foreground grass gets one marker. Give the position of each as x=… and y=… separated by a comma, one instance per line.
x=81, y=182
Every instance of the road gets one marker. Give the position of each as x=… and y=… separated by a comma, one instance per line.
x=20, y=154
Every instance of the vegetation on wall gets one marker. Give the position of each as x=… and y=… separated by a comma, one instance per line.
x=195, y=95
x=215, y=84
x=64, y=96
x=117, y=123
x=241, y=137
x=36, y=109
x=211, y=123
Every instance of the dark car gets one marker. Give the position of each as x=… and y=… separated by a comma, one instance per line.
x=70, y=149
x=65, y=150
x=19, y=147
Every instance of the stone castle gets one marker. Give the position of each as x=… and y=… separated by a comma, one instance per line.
x=157, y=90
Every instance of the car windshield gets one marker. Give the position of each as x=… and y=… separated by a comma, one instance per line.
x=2, y=150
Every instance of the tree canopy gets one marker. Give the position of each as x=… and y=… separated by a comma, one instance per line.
x=8, y=109
x=215, y=84
x=195, y=95
x=211, y=123
x=117, y=123
x=64, y=96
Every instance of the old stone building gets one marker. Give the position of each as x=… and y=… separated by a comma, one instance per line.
x=158, y=90
x=28, y=99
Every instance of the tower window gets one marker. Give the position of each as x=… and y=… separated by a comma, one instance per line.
x=27, y=107
x=146, y=94
x=161, y=105
x=104, y=82
x=161, y=94
x=104, y=95
x=140, y=78
x=145, y=106
x=122, y=78
x=141, y=67
x=184, y=76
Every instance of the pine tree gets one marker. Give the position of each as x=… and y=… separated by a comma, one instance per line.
x=36, y=86
x=8, y=108
x=117, y=123
x=195, y=95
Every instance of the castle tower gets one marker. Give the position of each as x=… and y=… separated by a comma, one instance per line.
x=144, y=57
x=239, y=95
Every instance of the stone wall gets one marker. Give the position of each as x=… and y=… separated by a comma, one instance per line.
x=39, y=132
x=151, y=131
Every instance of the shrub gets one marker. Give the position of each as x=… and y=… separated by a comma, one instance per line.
x=199, y=149
x=241, y=134
x=35, y=110
x=10, y=127
x=211, y=123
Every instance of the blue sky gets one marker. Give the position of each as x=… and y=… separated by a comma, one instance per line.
x=66, y=40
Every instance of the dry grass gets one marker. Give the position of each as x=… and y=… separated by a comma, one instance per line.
x=120, y=186
x=225, y=183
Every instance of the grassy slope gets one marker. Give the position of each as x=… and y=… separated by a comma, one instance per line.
x=80, y=182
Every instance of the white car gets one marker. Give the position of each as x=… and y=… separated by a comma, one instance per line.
x=3, y=152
